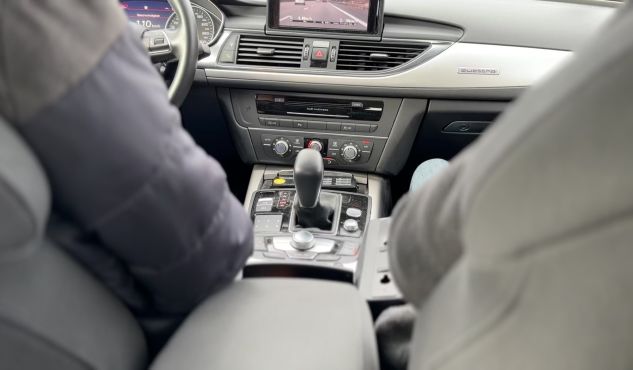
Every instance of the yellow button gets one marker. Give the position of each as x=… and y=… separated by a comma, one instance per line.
x=279, y=181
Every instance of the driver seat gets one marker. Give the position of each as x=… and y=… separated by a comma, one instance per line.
x=46, y=299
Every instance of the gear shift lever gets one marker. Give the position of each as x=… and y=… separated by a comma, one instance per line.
x=308, y=175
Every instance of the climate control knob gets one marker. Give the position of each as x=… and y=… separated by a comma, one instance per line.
x=350, y=152
x=282, y=147
x=316, y=145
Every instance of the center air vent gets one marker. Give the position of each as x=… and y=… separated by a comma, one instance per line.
x=376, y=56
x=270, y=51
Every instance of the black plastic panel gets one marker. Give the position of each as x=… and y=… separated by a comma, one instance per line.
x=432, y=140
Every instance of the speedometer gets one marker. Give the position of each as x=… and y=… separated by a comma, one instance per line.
x=206, y=29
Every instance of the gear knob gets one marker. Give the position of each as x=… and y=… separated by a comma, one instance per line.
x=308, y=175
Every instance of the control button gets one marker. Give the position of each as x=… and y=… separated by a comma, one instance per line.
x=358, y=104
x=297, y=142
x=329, y=161
x=227, y=56
x=351, y=226
x=327, y=257
x=343, y=181
x=367, y=145
x=285, y=123
x=319, y=54
x=350, y=152
x=321, y=44
x=335, y=144
x=333, y=54
x=262, y=121
x=382, y=268
x=267, y=140
x=373, y=128
x=323, y=246
x=363, y=128
x=467, y=127
x=260, y=244
x=347, y=127
x=275, y=255
x=316, y=145
x=272, y=122
x=317, y=125
x=159, y=41
x=267, y=223
x=333, y=126
x=282, y=147
x=306, y=52
x=349, y=249
x=301, y=255
x=354, y=212
x=303, y=240
x=384, y=246
x=282, y=244
x=231, y=43
x=264, y=205
x=280, y=181
x=300, y=124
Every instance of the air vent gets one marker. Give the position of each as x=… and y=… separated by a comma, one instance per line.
x=270, y=51
x=375, y=56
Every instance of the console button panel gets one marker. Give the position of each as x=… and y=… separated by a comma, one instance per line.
x=335, y=150
x=271, y=212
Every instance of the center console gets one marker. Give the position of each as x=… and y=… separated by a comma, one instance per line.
x=352, y=133
x=310, y=222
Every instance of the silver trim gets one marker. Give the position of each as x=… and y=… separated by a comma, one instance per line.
x=436, y=68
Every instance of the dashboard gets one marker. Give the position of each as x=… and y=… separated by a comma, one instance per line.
x=158, y=14
x=367, y=81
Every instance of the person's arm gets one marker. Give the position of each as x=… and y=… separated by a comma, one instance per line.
x=425, y=234
x=122, y=167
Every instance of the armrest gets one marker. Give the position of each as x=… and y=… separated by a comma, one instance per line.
x=276, y=324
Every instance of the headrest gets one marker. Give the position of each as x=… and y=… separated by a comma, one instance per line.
x=24, y=195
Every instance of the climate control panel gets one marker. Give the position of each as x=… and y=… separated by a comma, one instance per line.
x=336, y=151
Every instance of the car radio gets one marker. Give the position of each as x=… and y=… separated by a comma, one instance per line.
x=302, y=106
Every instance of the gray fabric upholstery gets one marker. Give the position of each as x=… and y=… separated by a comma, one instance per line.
x=272, y=324
x=24, y=196
x=53, y=314
x=537, y=222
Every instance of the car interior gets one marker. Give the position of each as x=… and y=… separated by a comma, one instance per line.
x=373, y=88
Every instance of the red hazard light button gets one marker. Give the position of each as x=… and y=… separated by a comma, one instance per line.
x=319, y=54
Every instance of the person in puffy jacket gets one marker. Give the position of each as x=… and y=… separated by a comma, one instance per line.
x=135, y=199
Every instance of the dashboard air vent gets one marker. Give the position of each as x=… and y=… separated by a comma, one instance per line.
x=270, y=51
x=375, y=56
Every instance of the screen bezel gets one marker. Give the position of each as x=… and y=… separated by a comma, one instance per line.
x=374, y=23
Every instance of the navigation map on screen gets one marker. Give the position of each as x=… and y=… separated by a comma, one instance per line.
x=341, y=15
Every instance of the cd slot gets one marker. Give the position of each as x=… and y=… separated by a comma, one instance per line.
x=281, y=105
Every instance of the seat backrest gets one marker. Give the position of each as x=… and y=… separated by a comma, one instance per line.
x=53, y=314
x=546, y=277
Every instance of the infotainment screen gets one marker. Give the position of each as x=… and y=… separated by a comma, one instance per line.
x=357, y=16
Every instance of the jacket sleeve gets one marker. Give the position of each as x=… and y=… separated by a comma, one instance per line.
x=122, y=167
x=425, y=236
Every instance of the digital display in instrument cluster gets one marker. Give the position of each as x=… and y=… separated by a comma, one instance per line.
x=149, y=14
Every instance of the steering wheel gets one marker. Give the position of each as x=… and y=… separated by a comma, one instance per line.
x=181, y=44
